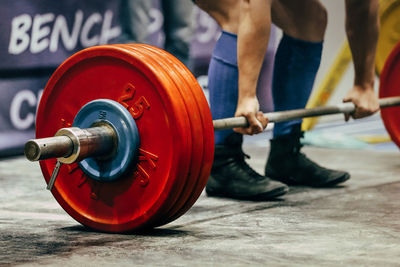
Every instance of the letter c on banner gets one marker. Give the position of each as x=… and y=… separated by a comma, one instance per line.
x=15, y=110
x=86, y=41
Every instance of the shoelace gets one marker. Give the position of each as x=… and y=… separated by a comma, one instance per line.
x=246, y=167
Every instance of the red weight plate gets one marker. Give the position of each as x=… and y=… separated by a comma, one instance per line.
x=183, y=180
x=159, y=58
x=208, y=138
x=110, y=72
x=170, y=64
x=390, y=86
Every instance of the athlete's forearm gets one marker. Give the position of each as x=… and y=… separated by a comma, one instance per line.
x=362, y=28
x=253, y=37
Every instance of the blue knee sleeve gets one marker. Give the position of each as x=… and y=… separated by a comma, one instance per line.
x=223, y=77
x=295, y=68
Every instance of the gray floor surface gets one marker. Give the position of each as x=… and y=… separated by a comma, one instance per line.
x=357, y=224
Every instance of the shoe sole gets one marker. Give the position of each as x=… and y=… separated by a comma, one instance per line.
x=337, y=181
x=332, y=183
x=270, y=195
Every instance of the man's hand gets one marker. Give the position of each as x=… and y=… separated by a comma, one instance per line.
x=364, y=99
x=249, y=108
x=362, y=41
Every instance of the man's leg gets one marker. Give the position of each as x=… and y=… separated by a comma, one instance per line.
x=296, y=64
x=178, y=28
x=135, y=19
x=230, y=175
x=223, y=83
x=295, y=68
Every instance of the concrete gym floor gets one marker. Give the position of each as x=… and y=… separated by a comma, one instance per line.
x=354, y=224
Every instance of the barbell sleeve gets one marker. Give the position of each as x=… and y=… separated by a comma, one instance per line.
x=73, y=144
x=280, y=116
x=51, y=147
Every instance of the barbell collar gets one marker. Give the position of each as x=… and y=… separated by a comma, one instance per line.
x=280, y=116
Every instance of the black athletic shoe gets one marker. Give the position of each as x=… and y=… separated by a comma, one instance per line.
x=232, y=177
x=288, y=165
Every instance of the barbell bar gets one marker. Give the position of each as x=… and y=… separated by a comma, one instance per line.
x=97, y=141
x=137, y=135
x=280, y=116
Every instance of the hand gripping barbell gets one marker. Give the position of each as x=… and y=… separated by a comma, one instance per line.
x=135, y=134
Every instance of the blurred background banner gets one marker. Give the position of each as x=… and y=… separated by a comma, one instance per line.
x=42, y=33
x=19, y=99
x=37, y=36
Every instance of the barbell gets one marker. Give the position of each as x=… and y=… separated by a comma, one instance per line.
x=133, y=137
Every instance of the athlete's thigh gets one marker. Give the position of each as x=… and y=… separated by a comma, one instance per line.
x=225, y=12
x=305, y=19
